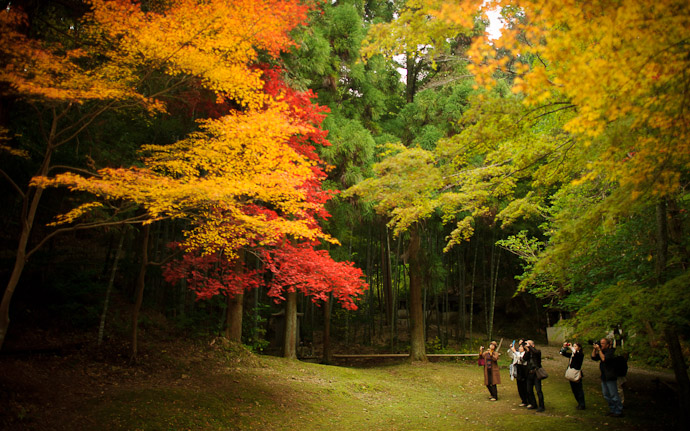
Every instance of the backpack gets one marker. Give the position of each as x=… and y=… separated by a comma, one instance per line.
x=620, y=365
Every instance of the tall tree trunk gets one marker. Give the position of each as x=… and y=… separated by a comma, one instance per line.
x=675, y=351
x=290, y=348
x=413, y=67
x=139, y=292
x=474, y=273
x=387, y=279
x=417, y=346
x=492, y=293
x=109, y=289
x=233, y=325
x=680, y=370
x=394, y=324
x=327, y=353
x=662, y=240
x=462, y=306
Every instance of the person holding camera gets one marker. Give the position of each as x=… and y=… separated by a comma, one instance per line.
x=492, y=377
x=604, y=353
x=533, y=359
x=574, y=352
x=520, y=370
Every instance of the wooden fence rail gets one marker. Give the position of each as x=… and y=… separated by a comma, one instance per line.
x=406, y=355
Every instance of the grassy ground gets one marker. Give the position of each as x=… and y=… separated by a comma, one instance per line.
x=200, y=388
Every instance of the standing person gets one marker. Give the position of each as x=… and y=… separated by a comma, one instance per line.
x=574, y=352
x=492, y=377
x=533, y=359
x=520, y=367
x=604, y=353
x=621, y=373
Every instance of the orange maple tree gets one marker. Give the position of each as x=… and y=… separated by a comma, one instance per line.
x=120, y=48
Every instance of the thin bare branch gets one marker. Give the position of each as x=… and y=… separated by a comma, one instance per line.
x=12, y=183
x=134, y=220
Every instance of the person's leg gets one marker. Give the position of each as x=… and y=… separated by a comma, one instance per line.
x=494, y=391
x=531, y=400
x=490, y=384
x=579, y=393
x=573, y=388
x=522, y=391
x=619, y=383
x=540, y=395
x=609, y=389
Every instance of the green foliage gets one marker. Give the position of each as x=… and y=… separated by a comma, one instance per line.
x=434, y=345
x=404, y=187
x=435, y=112
x=351, y=151
x=254, y=327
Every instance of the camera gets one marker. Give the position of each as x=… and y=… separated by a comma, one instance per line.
x=568, y=344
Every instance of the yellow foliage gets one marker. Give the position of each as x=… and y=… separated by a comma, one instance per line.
x=211, y=176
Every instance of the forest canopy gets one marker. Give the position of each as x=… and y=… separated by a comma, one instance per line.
x=391, y=155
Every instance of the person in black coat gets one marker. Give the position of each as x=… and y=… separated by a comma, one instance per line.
x=533, y=358
x=520, y=365
x=574, y=352
x=604, y=353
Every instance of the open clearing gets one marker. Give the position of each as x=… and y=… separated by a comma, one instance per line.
x=200, y=388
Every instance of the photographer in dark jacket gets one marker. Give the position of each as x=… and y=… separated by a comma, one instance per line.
x=533, y=359
x=604, y=352
x=574, y=352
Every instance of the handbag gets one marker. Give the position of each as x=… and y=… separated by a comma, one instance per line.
x=480, y=361
x=541, y=373
x=573, y=375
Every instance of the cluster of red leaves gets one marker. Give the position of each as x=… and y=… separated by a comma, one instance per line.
x=292, y=267
x=209, y=275
x=314, y=273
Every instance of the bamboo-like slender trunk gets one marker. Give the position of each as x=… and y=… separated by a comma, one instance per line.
x=387, y=279
x=474, y=272
x=462, y=312
x=417, y=345
x=109, y=289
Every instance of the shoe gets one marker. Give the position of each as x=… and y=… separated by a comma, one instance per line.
x=531, y=407
x=523, y=405
x=493, y=399
x=540, y=409
x=579, y=407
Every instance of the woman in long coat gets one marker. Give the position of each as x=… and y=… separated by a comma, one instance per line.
x=492, y=377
